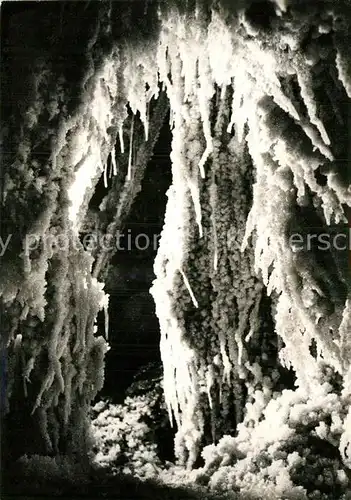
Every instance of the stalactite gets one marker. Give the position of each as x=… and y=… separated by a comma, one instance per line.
x=62, y=358
x=264, y=114
x=118, y=202
x=130, y=157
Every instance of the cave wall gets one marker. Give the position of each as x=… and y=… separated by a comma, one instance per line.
x=239, y=307
x=64, y=99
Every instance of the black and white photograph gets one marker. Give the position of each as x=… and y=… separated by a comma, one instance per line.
x=175, y=249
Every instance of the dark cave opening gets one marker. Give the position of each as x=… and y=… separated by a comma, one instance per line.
x=260, y=14
x=133, y=326
x=133, y=364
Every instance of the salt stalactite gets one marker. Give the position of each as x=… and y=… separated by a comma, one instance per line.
x=283, y=164
x=113, y=160
x=51, y=296
x=130, y=157
x=140, y=71
x=117, y=204
x=86, y=147
x=183, y=253
x=121, y=140
x=216, y=328
x=287, y=143
x=59, y=333
x=174, y=284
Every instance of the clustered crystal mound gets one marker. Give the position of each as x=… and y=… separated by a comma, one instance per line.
x=259, y=107
x=128, y=437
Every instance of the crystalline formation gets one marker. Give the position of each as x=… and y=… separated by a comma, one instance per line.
x=259, y=109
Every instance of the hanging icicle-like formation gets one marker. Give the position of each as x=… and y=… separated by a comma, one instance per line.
x=184, y=253
x=275, y=92
x=57, y=298
x=180, y=360
x=49, y=294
